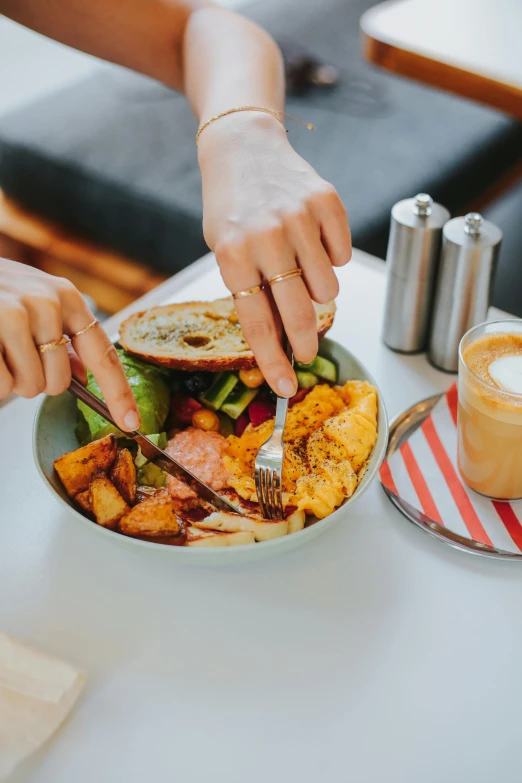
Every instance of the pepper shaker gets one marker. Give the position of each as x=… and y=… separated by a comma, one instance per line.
x=411, y=260
x=467, y=267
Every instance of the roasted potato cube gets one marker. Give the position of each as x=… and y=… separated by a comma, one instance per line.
x=153, y=517
x=108, y=506
x=83, y=499
x=123, y=476
x=76, y=468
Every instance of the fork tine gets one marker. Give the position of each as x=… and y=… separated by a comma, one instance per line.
x=273, y=498
x=268, y=488
x=259, y=489
x=265, y=500
x=278, y=496
x=267, y=493
x=274, y=495
x=262, y=499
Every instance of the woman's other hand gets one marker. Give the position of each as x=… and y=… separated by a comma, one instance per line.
x=37, y=308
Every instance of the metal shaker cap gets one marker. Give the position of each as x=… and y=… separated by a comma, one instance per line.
x=473, y=223
x=420, y=212
x=422, y=204
x=415, y=236
x=472, y=231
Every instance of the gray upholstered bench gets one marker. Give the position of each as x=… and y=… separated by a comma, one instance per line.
x=113, y=158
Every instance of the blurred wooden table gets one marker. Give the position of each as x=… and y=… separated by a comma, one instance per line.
x=468, y=47
x=112, y=280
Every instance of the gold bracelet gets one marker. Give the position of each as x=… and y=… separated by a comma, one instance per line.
x=274, y=112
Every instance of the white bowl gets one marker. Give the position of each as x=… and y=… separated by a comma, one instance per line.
x=54, y=435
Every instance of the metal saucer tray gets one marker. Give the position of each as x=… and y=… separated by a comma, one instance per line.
x=401, y=429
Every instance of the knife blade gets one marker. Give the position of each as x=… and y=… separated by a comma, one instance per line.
x=156, y=455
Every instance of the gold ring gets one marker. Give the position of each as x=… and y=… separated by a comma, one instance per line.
x=249, y=291
x=85, y=329
x=285, y=276
x=53, y=344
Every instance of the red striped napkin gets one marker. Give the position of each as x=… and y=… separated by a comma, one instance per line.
x=424, y=473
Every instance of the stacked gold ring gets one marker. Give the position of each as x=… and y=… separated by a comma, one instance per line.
x=85, y=329
x=52, y=345
x=285, y=276
x=256, y=289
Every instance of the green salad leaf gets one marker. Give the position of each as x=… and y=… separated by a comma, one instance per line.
x=83, y=433
x=150, y=388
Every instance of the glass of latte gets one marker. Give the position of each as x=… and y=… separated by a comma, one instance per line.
x=490, y=409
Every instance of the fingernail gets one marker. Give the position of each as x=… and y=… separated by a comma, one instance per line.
x=131, y=420
x=286, y=387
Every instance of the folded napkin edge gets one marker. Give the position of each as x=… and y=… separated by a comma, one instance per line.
x=35, y=673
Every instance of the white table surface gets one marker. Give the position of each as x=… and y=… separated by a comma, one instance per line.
x=374, y=654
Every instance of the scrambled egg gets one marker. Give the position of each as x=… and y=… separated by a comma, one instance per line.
x=329, y=437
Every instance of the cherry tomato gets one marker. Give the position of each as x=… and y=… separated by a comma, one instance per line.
x=183, y=408
x=260, y=411
x=242, y=423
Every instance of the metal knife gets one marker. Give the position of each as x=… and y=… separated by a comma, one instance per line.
x=154, y=454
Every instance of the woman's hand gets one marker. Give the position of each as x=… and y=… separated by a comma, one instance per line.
x=267, y=211
x=37, y=308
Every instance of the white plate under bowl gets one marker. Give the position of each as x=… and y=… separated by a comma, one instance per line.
x=54, y=435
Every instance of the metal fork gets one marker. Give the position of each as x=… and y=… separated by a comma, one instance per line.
x=269, y=460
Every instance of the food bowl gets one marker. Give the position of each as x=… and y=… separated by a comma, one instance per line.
x=54, y=434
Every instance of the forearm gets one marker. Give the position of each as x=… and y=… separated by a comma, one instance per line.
x=218, y=58
x=228, y=61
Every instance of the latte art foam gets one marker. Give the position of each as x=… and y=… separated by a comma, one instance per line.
x=506, y=372
x=494, y=358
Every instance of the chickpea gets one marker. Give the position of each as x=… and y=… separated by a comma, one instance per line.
x=252, y=378
x=205, y=420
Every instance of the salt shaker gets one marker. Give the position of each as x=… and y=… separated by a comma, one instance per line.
x=470, y=249
x=411, y=260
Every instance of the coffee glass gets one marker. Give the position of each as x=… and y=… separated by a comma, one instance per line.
x=490, y=409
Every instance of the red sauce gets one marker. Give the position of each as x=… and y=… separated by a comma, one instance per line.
x=202, y=453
